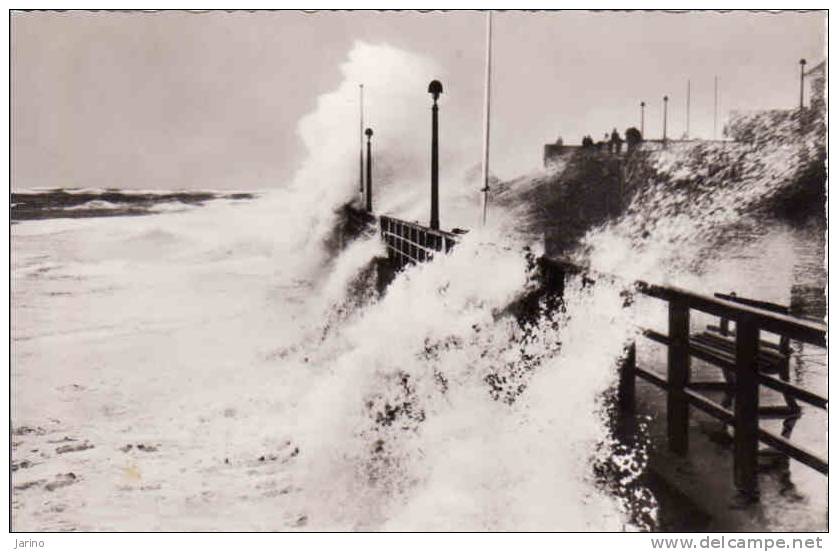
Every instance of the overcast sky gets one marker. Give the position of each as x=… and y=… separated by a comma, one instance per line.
x=175, y=100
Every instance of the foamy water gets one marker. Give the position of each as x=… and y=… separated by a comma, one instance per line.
x=220, y=368
x=208, y=375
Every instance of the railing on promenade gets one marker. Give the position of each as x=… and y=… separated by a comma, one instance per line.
x=409, y=242
x=742, y=361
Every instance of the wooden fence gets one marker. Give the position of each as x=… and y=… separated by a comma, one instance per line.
x=743, y=365
x=409, y=243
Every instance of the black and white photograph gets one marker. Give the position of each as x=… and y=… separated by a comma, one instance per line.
x=456, y=271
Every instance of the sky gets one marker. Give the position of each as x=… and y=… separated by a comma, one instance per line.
x=175, y=100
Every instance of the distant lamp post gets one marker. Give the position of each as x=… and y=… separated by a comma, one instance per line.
x=802, y=73
x=642, y=118
x=435, y=89
x=665, y=104
x=687, y=132
x=368, y=132
x=715, y=106
x=361, y=145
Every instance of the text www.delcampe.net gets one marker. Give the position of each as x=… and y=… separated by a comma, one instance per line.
x=740, y=543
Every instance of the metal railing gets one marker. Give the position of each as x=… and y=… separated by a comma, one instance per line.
x=410, y=243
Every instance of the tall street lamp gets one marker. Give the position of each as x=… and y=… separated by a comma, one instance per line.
x=368, y=132
x=435, y=89
x=802, y=73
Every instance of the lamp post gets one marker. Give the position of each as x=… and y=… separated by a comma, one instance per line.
x=687, y=132
x=715, y=107
x=435, y=89
x=802, y=72
x=642, y=118
x=665, y=103
x=361, y=136
x=368, y=132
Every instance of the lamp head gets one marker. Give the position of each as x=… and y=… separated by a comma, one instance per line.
x=435, y=89
x=368, y=132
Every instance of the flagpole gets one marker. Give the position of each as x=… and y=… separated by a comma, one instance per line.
x=361, y=142
x=486, y=103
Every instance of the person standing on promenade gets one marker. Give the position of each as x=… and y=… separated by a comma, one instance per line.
x=616, y=144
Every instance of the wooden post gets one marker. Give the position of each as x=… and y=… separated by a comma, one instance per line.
x=625, y=391
x=785, y=375
x=746, y=407
x=678, y=376
x=724, y=323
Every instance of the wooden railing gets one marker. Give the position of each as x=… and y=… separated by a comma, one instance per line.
x=750, y=320
x=409, y=242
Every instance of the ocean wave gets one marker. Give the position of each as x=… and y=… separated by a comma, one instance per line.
x=90, y=202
